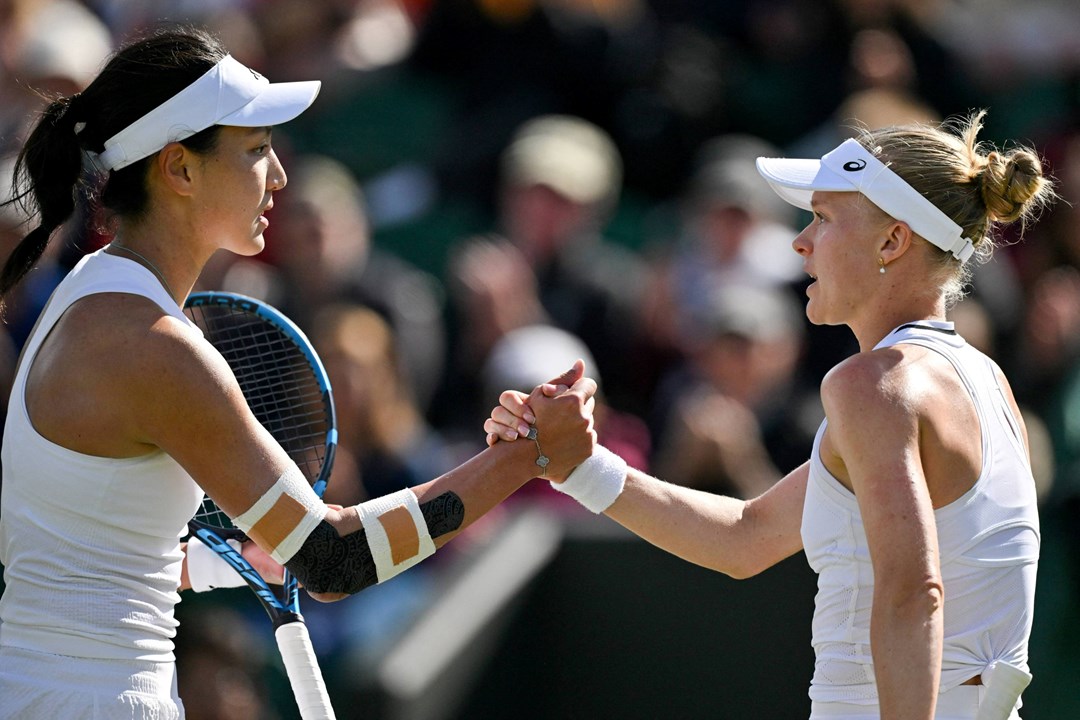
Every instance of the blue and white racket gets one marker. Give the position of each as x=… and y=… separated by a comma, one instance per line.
x=287, y=389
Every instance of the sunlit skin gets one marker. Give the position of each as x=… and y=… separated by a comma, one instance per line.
x=119, y=377
x=843, y=249
x=215, y=200
x=890, y=440
x=241, y=176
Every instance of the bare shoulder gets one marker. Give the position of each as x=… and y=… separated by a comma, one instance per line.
x=880, y=377
x=106, y=365
x=873, y=403
x=143, y=344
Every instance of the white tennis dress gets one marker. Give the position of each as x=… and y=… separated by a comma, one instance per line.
x=988, y=544
x=91, y=552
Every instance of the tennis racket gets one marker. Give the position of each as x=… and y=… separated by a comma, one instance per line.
x=287, y=389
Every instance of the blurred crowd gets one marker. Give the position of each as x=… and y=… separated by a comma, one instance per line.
x=488, y=189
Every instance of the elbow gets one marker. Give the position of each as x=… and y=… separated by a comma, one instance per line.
x=327, y=597
x=743, y=571
x=922, y=599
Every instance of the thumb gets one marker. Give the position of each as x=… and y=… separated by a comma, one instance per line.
x=571, y=376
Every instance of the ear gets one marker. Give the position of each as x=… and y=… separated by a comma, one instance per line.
x=175, y=164
x=896, y=238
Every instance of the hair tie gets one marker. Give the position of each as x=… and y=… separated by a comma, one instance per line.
x=72, y=111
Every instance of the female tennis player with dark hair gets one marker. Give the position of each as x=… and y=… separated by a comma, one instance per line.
x=917, y=508
x=122, y=415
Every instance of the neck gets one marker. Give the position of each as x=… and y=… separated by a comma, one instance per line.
x=892, y=310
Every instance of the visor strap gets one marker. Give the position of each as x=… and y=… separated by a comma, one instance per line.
x=896, y=197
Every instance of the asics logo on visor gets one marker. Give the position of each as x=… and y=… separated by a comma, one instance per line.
x=854, y=165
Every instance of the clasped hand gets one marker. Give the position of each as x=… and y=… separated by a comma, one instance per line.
x=562, y=412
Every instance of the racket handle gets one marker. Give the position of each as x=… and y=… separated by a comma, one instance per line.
x=306, y=679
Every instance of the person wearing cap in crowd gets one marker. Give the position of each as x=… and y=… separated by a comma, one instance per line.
x=561, y=177
x=733, y=416
x=917, y=508
x=122, y=415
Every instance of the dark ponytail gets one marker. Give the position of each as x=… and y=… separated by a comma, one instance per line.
x=49, y=170
x=47, y=174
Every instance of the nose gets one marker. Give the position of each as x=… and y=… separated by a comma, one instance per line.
x=276, y=178
x=801, y=243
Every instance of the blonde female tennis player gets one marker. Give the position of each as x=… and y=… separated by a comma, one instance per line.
x=917, y=507
x=122, y=414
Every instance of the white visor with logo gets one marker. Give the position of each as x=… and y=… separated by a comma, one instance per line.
x=228, y=94
x=853, y=168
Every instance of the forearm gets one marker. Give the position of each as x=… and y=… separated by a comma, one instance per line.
x=906, y=642
x=702, y=528
x=359, y=546
x=481, y=483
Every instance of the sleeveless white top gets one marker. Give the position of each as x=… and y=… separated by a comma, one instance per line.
x=988, y=545
x=90, y=545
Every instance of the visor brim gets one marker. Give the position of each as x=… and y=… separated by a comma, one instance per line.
x=796, y=180
x=277, y=103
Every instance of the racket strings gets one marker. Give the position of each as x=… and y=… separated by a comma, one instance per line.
x=278, y=383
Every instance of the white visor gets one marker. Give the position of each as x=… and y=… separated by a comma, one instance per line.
x=853, y=168
x=227, y=94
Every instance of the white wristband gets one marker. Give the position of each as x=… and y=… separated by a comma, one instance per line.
x=597, y=482
x=207, y=570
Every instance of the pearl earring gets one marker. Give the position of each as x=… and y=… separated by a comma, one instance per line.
x=881, y=262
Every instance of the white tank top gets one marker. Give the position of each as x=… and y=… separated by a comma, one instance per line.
x=90, y=545
x=988, y=544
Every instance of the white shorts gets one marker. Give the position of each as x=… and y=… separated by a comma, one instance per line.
x=960, y=703
x=42, y=686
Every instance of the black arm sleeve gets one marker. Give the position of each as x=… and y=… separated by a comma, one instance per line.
x=328, y=562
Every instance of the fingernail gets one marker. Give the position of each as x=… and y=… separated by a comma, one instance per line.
x=529, y=418
x=523, y=429
x=512, y=435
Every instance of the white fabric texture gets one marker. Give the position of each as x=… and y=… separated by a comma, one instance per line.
x=960, y=703
x=207, y=570
x=90, y=545
x=596, y=483
x=44, y=686
x=988, y=544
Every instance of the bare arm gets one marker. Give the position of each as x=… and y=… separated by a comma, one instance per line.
x=873, y=441
x=193, y=409
x=737, y=537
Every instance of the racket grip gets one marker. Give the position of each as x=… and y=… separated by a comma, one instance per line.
x=306, y=679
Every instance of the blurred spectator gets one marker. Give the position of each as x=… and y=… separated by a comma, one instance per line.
x=469, y=116
x=47, y=47
x=561, y=178
x=331, y=38
x=384, y=442
x=733, y=419
x=732, y=229
x=320, y=248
